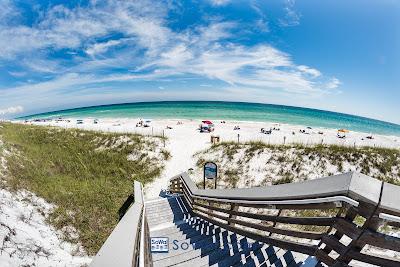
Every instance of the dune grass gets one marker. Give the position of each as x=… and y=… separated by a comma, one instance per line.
x=86, y=174
x=296, y=162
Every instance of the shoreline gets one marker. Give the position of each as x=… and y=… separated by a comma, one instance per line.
x=248, y=130
x=154, y=118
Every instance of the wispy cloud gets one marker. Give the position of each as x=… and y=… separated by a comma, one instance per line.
x=99, y=48
x=219, y=2
x=17, y=73
x=63, y=27
x=114, y=42
x=292, y=17
x=333, y=83
x=11, y=110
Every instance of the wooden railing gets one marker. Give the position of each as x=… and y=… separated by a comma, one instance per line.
x=334, y=218
x=128, y=244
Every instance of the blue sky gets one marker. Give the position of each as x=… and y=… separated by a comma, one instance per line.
x=335, y=55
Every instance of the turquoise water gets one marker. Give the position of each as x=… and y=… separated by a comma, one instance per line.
x=231, y=111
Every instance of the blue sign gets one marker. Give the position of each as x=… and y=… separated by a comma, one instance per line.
x=210, y=170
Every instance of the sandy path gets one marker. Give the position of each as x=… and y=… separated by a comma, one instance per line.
x=182, y=149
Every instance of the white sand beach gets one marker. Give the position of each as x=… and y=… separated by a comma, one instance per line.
x=184, y=138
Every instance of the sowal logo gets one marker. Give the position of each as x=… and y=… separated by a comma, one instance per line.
x=159, y=244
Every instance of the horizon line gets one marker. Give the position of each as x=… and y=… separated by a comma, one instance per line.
x=212, y=101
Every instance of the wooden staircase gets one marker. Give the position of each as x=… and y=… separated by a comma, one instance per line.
x=197, y=242
x=339, y=216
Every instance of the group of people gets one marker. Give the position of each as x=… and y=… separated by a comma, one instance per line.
x=143, y=123
x=265, y=131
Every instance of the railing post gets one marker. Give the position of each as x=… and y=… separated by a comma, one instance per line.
x=234, y=207
x=274, y=223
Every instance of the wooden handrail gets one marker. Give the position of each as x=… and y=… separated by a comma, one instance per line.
x=349, y=206
x=128, y=244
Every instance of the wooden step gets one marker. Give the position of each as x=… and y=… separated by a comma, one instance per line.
x=208, y=244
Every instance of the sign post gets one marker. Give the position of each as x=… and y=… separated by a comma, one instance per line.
x=210, y=172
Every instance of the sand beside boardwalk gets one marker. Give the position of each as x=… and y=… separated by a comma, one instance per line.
x=185, y=139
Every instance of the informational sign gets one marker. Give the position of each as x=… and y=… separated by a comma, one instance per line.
x=210, y=170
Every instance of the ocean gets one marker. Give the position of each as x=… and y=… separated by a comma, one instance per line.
x=230, y=111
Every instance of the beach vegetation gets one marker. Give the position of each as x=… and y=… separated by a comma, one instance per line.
x=267, y=164
x=87, y=175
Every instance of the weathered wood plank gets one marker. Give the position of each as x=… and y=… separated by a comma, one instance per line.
x=324, y=257
x=233, y=221
x=319, y=221
x=344, y=226
x=379, y=240
x=372, y=259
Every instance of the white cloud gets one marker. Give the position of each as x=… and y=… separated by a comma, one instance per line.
x=99, y=48
x=17, y=73
x=292, y=17
x=7, y=11
x=333, y=83
x=62, y=27
x=11, y=110
x=262, y=25
x=308, y=70
x=219, y=2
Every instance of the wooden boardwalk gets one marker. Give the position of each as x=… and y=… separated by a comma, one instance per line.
x=196, y=242
x=246, y=227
